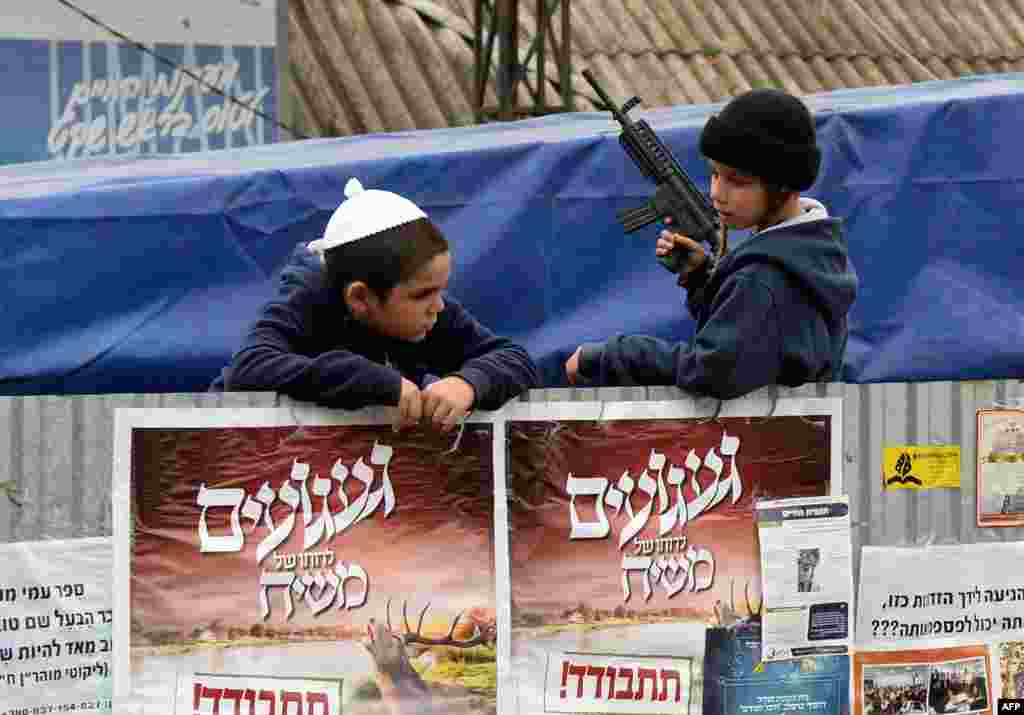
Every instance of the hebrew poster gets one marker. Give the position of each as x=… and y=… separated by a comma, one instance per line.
x=355, y=561
x=632, y=531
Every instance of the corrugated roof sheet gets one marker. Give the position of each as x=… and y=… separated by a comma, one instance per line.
x=363, y=66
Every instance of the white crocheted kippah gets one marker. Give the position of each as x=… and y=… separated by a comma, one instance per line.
x=364, y=213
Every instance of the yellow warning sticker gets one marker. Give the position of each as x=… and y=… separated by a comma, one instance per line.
x=759, y=668
x=921, y=467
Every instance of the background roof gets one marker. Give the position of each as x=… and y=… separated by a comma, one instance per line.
x=361, y=66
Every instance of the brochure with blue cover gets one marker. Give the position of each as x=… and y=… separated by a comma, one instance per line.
x=737, y=682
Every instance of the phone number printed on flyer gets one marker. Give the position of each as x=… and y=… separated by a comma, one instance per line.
x=83, y=706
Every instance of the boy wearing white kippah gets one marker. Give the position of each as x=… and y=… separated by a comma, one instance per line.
x=362, y=319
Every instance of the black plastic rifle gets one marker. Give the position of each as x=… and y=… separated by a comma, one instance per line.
x=676, y=195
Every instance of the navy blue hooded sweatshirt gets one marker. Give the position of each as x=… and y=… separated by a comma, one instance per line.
x=772, y=312
x=307, y=345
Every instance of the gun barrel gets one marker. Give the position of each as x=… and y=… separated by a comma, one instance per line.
x=592, y=81
x=676, y=191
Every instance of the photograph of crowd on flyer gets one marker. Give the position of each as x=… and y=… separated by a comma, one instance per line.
x=896, y=689
x=936, y=681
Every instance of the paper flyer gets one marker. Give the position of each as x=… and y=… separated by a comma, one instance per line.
x=966, y=592
x=738, y=682
x=56, y=627
x=1000, y=469
x=1011, y=668
x=807, y=575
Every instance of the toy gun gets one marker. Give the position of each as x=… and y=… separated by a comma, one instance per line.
x=676, y=196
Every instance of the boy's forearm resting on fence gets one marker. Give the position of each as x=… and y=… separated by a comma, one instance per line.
x=736, y=351
x=270, y=361
x=496, y=367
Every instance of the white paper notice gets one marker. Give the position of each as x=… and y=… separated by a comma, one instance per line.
x=55, y=617
x=807, y=576
x=967, y=592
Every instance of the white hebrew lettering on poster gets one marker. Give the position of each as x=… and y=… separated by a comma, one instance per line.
x=319, y=586
x=317, y=590
x=675, y=573
x=318, y=524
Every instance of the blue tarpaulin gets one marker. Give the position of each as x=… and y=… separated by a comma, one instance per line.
x=141, y=274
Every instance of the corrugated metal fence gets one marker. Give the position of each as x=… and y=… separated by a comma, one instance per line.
x=56, y=454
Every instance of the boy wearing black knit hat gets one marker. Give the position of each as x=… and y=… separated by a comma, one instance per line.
x=771, y=311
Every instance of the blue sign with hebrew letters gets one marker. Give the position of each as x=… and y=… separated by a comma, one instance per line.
x=70, y=99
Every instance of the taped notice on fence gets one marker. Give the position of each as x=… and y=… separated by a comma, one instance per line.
x=806, y=569
x=967, y=592
x=919, y=466
x=56, y=626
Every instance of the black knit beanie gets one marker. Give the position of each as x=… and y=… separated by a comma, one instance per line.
x=766, y=133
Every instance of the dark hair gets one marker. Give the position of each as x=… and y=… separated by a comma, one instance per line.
x=775, y=196
x=385, y=259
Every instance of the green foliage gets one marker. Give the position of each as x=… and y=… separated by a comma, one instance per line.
x=478, y=654
x=10, y=488
x=366, y=690
x=479, y=678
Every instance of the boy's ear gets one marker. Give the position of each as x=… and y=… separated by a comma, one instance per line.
x=357, y=298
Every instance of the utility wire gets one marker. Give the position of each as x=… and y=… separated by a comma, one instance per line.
x=184, y=70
